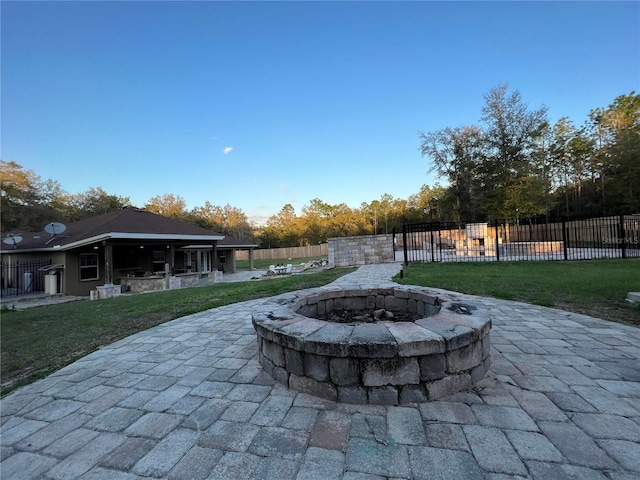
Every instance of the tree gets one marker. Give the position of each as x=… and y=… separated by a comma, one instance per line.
x=229, y=220
x=94, y=201
x=315, y=221
x=25, y=199
x=569, y=160
x=283, y=229
x=456, y=154
x=168, y=205
x=208, y=216
x=236, y=223
x=419, y=205
x=386, y=202
x=371, y=213
x=617, y=157
x=345, y=221
x=509, y=140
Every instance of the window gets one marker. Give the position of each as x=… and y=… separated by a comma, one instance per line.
x=158, y=261
x=88, y=266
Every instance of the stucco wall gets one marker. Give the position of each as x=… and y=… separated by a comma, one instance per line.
x=364, y=250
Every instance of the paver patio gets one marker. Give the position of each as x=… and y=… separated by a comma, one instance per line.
x=188, y=399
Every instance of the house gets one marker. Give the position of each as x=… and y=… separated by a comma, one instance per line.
x=125, y=250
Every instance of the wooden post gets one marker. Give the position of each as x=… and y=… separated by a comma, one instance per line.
x=108, y=264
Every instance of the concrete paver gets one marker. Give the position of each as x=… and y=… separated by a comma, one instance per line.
x=188, y=399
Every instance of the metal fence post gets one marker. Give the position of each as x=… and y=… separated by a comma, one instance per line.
x=404, y=243
x=432, y=246
x=623, y=243
x=564, y=237
x=497, y=246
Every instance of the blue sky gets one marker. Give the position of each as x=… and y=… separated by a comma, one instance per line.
x=260, y=104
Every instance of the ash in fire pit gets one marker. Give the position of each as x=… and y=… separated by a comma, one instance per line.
x=379, y=346
x=368, y=316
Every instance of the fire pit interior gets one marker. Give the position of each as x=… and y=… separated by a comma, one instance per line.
x=373, y=345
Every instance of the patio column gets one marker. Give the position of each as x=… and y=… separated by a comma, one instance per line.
x=233, y=261
x=251, y=259
x=108, y=264
x=198, y=260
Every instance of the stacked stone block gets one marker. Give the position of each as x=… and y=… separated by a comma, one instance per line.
x=381, y=363
x=363, y=250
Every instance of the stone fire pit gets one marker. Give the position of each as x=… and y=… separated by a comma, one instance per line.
x=376, y=353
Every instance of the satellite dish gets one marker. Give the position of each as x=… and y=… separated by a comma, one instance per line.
x=12, y=240
x=55, y=228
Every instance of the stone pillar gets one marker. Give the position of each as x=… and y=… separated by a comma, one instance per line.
x=251, y=259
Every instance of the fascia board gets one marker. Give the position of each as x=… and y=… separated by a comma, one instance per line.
x=119, y=236
x=222, y=247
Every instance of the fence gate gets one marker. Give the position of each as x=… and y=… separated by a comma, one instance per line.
x=21, y=278
x=525, y=239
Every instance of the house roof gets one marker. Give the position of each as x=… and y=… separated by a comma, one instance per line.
x=128, y=223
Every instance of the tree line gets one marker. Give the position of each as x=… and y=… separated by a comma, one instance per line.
x=28, y=203
x=513, y=164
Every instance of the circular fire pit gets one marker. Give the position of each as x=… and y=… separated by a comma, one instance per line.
x=374, y=351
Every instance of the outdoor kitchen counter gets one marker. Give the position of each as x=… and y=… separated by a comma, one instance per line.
x=154, y=283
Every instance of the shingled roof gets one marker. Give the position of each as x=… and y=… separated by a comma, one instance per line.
x=128, y=223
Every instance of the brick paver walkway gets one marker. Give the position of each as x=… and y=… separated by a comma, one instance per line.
x=188, y=399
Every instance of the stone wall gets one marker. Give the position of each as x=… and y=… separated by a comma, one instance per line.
x=364, y=250
x=143, y=284
x=156, y=283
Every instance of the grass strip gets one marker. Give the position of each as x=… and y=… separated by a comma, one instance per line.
x=594, y=287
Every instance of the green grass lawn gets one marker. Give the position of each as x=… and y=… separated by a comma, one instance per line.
x=594, y=287
x=38, y=341
x=264, y=264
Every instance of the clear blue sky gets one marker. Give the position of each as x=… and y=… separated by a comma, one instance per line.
x=260, y=104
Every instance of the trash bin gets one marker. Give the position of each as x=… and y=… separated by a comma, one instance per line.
x=51, y=284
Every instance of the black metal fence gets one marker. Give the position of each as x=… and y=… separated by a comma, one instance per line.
x=526, y=239
x=20, y=278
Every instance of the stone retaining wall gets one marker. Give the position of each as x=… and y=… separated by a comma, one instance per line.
x=363, y=250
